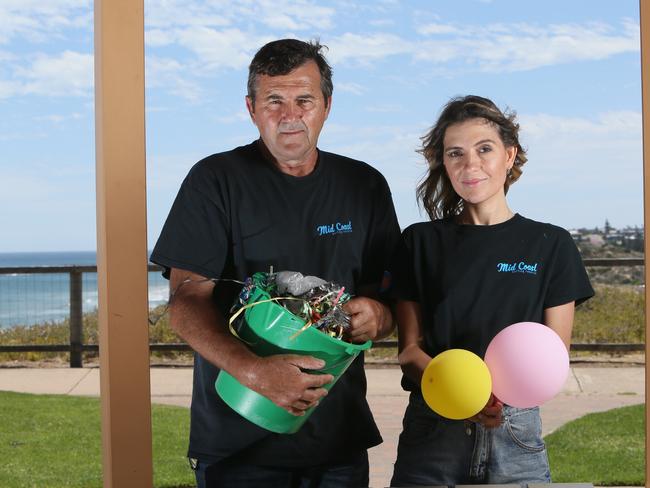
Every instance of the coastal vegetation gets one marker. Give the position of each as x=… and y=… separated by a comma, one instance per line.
x=59, y=333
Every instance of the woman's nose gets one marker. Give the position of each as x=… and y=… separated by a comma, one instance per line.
x=472, y=159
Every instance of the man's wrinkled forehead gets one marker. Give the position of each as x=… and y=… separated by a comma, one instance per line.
x=305, y=78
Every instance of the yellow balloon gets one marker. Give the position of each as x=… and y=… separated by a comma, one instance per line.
x=456, y=384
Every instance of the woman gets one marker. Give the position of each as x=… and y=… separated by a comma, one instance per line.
x=457, y=288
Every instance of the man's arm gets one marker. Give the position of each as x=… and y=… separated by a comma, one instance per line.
x=280, y=378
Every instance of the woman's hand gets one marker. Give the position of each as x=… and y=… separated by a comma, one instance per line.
x=492, y=414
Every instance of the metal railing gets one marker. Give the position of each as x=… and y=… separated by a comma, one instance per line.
x=76, y=347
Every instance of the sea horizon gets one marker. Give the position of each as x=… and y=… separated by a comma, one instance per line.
x=50, y=258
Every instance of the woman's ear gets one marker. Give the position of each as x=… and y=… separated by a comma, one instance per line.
x=511, y=155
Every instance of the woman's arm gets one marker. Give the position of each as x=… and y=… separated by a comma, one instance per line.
x=560, y=319
x=412, y=358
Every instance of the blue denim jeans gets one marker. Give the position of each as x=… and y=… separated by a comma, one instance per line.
x=238, y=475
x=433, y=450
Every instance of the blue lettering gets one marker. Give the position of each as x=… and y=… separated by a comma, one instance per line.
x=344, y=227
x=505, y=267
x=325, y=229
x=527, y=268
x=520, y=267
x=337, y=228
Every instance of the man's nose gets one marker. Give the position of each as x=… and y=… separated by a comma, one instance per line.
x=292, y=111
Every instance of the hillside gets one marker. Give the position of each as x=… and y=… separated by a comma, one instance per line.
x=616, y=275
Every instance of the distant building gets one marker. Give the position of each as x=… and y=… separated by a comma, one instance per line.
x=608, y=228
x=631, y=238
x=596, y=240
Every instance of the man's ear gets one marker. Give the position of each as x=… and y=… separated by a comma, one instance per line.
x=329, y=107
x=250, y=106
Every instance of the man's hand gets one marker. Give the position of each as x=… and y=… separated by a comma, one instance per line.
x=492, y=414
x=369, y=320
x=281, y=379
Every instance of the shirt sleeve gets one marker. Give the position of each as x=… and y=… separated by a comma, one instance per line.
x=569, y=280
x=382, y=239
x=195, y=236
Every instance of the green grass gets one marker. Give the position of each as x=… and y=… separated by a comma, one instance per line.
x=605, y=449
x=55, y=441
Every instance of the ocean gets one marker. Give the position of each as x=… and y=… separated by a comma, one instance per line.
x=27, y=299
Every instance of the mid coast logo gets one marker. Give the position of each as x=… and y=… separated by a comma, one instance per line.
x=520, y=267
x=336, y=228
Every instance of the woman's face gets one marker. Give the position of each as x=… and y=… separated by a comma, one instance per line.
x=477, y=161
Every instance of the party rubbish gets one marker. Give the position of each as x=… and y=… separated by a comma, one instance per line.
x=317, y=302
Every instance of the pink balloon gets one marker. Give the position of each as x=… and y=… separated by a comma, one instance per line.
x=529, y=364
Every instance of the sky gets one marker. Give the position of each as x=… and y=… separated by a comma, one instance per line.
x=569, y=69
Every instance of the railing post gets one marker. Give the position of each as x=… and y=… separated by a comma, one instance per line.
x=76, y=319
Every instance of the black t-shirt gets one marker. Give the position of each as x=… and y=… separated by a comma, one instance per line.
x=472, y=281
x=236, y=214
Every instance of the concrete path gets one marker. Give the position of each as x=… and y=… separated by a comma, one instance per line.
x=588, y=389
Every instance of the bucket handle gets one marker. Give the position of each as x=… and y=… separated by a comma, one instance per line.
x=234, y=316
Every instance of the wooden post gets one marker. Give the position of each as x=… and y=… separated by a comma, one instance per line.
x=644, y=10
x=76, y=319
x=122, y=244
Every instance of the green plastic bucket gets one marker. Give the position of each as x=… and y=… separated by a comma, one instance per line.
x=268, y=329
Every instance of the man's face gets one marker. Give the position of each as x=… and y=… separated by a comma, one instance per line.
x=289, y=112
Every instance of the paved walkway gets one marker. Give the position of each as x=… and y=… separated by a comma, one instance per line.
x=588, y=389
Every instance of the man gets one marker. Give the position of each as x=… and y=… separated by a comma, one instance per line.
x=279, y=202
